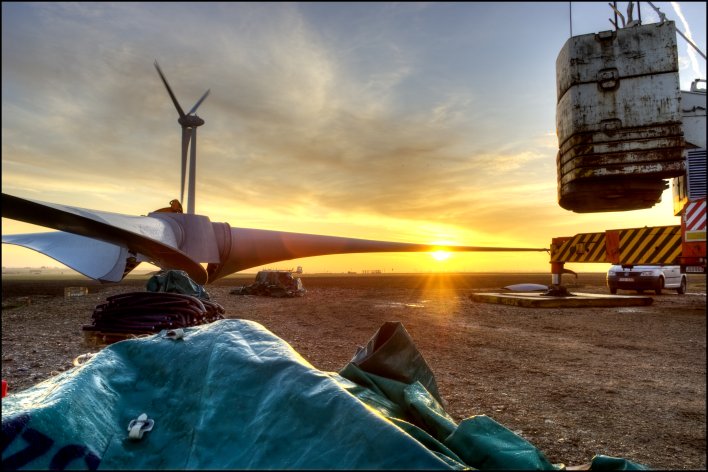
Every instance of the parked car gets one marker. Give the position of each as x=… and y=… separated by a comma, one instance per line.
x=646, y=277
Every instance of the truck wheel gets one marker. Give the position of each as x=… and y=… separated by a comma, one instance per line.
x=659, y=286
x=682, y=288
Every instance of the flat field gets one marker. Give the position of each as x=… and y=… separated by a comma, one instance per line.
x=627, y=382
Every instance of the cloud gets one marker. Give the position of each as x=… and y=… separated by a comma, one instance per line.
x=335, y=116
x=695, y=67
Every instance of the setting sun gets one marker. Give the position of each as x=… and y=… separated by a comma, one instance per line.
x=440, y=255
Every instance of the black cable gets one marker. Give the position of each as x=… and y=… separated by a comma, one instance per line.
x=151, y=312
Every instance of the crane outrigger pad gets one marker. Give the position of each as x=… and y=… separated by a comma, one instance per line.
x=575, y=300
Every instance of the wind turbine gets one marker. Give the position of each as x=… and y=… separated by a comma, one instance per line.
x=106, y=246
x=189, y=123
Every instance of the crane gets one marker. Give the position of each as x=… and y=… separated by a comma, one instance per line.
x=624, y=128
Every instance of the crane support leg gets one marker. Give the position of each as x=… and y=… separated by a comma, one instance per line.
x=556, y=273
x=557, y=289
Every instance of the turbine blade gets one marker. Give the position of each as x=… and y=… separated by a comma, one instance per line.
x=192, y=173
x=153, y=237
x=185, y=145
x=93, y=258
x=177, y=241
x=247, y=248
x=199, y=102
x=169, y=90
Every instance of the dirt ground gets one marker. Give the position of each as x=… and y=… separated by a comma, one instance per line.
x=627, y=382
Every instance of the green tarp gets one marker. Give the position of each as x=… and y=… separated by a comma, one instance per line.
x=231, y=395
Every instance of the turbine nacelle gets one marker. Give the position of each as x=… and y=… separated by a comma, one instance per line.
x=190, y=121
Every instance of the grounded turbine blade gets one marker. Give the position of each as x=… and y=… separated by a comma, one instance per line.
x=243, y=248
x=185, y=145
x=199, y=102
x=91, y=257
x=169, y=90
x=153, y=237
x=192, y=173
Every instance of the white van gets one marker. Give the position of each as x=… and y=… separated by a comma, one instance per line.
x=646, y=277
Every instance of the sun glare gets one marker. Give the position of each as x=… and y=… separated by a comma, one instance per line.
x=440, y=255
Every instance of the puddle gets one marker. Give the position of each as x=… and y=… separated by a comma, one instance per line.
x=629, y=310
x=399, y=305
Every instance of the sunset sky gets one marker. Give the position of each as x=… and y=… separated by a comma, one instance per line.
x=412, y=122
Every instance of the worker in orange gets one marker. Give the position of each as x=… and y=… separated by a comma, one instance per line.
x=175, y=207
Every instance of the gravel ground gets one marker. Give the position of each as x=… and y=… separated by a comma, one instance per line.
x=627, y=382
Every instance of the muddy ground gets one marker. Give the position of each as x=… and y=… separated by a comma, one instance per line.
x=627, y=382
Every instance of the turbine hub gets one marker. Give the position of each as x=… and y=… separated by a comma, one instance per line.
x=190, y=121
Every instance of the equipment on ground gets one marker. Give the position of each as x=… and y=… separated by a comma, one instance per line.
x=273, y=283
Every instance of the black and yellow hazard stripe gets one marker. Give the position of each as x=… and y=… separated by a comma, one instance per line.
x=583, y=247
x=650, y=245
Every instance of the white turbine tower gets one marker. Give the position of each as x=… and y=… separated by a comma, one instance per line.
x=189, y=123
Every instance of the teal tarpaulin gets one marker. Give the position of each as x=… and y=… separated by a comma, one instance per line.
x=232, y=395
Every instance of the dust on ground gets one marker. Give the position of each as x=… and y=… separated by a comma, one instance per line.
x=627, y=382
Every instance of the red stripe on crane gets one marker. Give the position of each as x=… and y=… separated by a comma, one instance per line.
x=696, y=216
